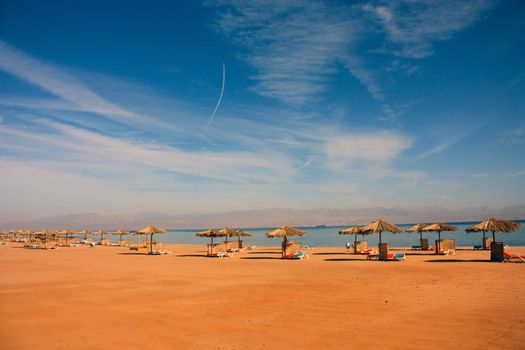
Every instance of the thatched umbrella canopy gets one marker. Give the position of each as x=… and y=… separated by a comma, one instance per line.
x=232, y=233
x=495, y=225
x=285, y=232
x=417, y=228
x=354, y=230
x=67, y=234
x=101, y=233
x=380, y=226
x=212, y=233
x=440, y=227
x=120, y=233
x=85, y=233
x=151, y=230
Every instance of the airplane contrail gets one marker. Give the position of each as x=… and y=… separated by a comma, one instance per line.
x=218, y=102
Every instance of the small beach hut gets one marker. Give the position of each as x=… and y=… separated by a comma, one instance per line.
x=288, y=248
x=151, y=230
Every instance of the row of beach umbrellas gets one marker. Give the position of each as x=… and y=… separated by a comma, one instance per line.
x=378, y=226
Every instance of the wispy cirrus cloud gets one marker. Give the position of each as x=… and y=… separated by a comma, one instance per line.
x=293, y=45
x=412, y=26
x=73, y=94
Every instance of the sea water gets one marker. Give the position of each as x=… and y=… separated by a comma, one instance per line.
x=329, y=237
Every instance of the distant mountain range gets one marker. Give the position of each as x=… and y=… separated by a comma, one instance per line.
x=260, y=218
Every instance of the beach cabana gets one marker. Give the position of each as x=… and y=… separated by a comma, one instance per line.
x=354, y=230
x=380, y=226
x=423, y=243
x=443, y=246
x=289, y=248
x=151, y=230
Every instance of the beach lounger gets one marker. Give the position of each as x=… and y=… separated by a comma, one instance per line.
x=368, y=251
x=223, y=254
x=300, y=256
x=478, y=247
x=510, y=257
x=416, y=247
x=447, y=252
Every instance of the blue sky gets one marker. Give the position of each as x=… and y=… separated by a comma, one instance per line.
x=104, y=107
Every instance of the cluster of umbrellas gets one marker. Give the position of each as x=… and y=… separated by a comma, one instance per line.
x=224, y=232
x=378, y=226
x=70, y=234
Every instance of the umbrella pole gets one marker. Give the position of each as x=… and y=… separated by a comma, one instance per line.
x=355, y=244
x=493, y=236
x=151, y=243
x=420, y=236
x=380, y=237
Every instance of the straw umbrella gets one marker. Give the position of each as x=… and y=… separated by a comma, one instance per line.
x=120, y=233
x=85, y=233
x=151, y=230
x=440, y=227
x=232, y=232
x=354, y=230
x=212, y=233
x=285, y=232
x=101, y=233
x=497, y=225
x=68, y=234
x=380, y=226
x=417, y=228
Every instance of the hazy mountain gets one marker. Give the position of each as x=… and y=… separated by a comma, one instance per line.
x=260, y=218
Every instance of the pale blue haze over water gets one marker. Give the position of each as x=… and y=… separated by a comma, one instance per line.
x=329, y=237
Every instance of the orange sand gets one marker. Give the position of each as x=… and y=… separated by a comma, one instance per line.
x=106, y=298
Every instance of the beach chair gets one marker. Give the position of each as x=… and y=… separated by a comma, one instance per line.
x=513, y=257
x=399, y=257
x=299, y=256
x=416, y=247
x=223, y=254
x=372, y=256
x=477, y=247
x=367, y=251
x=447, y=252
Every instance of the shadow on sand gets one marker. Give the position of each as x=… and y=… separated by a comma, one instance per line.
x=335, y=253
x=260, y=258
x=193, y=256
x=347, y=259
x=457, y=260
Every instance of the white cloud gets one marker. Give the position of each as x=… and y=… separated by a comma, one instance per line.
x=440, y=147
x=74, y=94
x=365, y=149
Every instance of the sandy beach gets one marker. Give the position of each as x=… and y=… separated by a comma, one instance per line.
x=107, y=298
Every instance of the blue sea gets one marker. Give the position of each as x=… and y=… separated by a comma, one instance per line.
x=329, y=237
